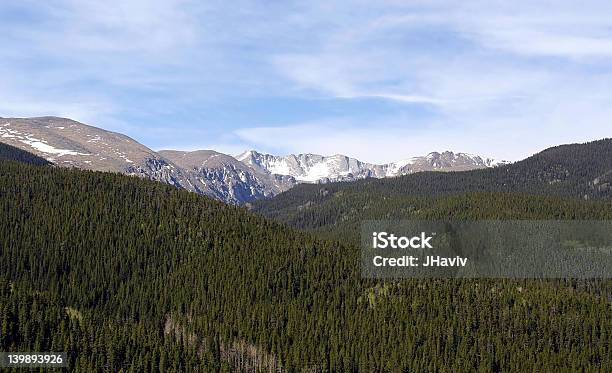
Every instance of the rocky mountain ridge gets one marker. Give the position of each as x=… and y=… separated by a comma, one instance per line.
x=314, y=168
x=236, y=180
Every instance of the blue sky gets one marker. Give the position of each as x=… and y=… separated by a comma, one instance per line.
x=377, y=80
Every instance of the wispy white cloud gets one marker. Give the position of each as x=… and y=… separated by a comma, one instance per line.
x=390, y=139
x=112, y=27
x=563, y=29
x=510, y=137
x=541, y=43
x=84, y=108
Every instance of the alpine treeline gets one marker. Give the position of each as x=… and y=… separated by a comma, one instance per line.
x=128, y=274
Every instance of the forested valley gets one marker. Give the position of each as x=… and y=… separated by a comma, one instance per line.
x=128, y=274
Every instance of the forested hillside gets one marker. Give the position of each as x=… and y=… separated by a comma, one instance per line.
x=130, y=274
x=576, y=171
x=340, y=217
x=8, y=152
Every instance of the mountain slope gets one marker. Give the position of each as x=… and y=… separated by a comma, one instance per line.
x=69, y=143
x=577, y=170
x=230, y=179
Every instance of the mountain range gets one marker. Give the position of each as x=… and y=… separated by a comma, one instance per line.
x=132, y=275
x=314, y=168
x=244, y=178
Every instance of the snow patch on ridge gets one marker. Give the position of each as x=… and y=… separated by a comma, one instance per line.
x=46, y=148
x=317, y=172
x=38, y=144
x=280, y=167
x=394, y=168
